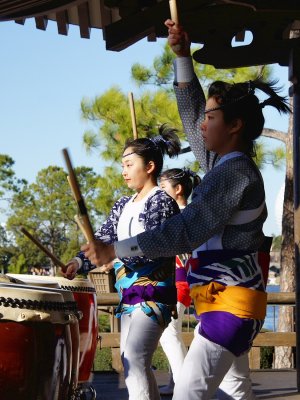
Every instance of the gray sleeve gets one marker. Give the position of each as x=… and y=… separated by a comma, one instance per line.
x=216, y=199
x=191, y=106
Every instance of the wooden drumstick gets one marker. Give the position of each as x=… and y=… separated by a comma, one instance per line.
x=81, y=226
x=85, y=221
x=133, y=116
x=43, y=248
x=173, y=11
x=174, y=18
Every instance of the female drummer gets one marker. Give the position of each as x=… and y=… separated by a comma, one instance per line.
x=178, y=183
x=222, y=227
x=145, y=286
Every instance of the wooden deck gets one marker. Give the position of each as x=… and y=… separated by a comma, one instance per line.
x=267, y=384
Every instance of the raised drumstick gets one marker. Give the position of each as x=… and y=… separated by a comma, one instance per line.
x=133, y=117
x=56, y=261
x=85, y=221
x=174, y=18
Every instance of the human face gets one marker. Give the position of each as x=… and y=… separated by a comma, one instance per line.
x=165, y=185
x=134, y=171
x=215, y=132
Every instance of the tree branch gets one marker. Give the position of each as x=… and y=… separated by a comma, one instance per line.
x=272, y=133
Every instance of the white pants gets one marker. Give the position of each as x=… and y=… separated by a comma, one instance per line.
x=208, y=366
x=172, y=343
x=139, y=339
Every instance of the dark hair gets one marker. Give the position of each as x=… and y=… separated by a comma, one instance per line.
x=184, y=177
x=238, y=100
x=154, y=148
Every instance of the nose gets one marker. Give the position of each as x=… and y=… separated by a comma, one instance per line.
x=203, y=126
x=123, y=172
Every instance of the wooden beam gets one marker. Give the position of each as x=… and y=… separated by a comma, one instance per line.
x=125, y=32
x=275, y=339
x=62, y=22
x=20, y=21
x=41, y=23
x=84, y=20
x=112, y=299
x=262, y=339
x=287, y=298
x=240, y=36
x=107, y=299
x=152, y=37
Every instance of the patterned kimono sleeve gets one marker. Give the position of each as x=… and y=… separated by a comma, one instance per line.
x=158, y=208
x=107, y=233
x=191, y=106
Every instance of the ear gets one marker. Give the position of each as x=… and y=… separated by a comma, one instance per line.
x=150, y=167
x=236, y=125
x=178, y=189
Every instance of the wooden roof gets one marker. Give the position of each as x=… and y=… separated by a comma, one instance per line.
x=212, y=23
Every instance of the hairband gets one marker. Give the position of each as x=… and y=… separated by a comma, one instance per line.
x=250, y=91
x=181, y=174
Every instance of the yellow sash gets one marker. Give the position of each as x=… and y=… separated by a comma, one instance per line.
x=237, y=300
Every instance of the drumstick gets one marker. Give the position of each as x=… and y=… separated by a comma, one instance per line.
x=174, y=18
x=133, y=117
x=85, y=221
x=43, y=248
x=173, y=11
x=81, y=226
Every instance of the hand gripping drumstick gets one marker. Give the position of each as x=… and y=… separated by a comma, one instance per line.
x=174, y=18
x=85, y=225
x=56, y=261
x=133, y=117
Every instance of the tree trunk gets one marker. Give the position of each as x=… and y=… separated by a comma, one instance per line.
x=284, y=355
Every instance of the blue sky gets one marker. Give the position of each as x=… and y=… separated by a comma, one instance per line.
x=44, y=78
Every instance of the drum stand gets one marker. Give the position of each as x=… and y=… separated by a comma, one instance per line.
x=85, y=391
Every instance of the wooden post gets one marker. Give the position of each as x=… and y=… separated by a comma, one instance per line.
x=115, y=327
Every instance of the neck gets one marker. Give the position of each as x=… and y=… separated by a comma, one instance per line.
x=181, y=201
x=141, y=193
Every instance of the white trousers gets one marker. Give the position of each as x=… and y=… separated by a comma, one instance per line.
x=208, y=366
x=139, y=339
x=172, y=343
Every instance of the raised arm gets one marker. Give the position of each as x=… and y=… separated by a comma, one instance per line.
x=189, y=94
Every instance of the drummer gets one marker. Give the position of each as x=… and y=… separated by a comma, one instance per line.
x=146, y=287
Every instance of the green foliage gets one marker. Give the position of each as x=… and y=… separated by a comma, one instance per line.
x=7, y=250
x=103, y=360
x=104, y=323
x=8, y=180
x=160, y=360
x=277, y=242
x=266, y=357
x=18, y=265
x=46, y=209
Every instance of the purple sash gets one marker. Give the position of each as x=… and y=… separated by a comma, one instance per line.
x=159, y=294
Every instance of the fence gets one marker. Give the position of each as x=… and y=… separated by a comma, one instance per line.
x=106, y=302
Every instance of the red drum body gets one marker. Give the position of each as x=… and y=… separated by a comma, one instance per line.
x=35, y=343
x=85, y=295
x=49, y=284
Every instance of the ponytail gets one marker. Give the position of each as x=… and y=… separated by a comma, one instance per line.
x=238, y=100
x=185, y=177
x=154, y=148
